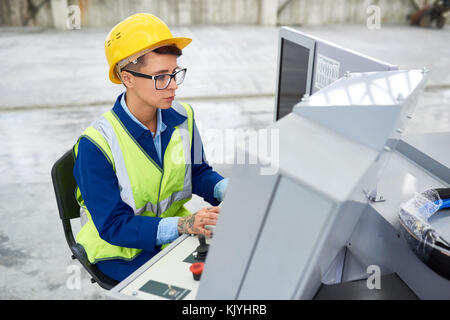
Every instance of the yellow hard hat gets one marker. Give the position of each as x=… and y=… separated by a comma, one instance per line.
x=137, y=33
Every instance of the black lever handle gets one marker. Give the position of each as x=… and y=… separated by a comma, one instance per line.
x=202, y=249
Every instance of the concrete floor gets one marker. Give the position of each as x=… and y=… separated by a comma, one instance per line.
x=55, y=86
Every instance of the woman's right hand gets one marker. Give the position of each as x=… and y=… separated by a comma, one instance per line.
x=195, y=223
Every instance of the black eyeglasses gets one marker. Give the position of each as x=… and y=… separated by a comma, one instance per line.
x=162, y=81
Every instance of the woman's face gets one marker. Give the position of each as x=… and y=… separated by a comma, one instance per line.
x=155, y=64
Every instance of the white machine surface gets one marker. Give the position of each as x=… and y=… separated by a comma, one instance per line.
x=164, y=277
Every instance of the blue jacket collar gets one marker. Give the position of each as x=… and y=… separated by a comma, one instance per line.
x=170, y=117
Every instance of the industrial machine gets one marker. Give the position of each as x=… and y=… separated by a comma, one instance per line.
x=430, y=15
x=331, y=213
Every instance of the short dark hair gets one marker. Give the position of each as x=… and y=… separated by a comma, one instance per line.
x=169, y=50
x=140, y=62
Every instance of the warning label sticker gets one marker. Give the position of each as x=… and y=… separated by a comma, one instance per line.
x=327, y=71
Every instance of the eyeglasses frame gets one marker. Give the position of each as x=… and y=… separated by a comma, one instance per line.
x=147, y=76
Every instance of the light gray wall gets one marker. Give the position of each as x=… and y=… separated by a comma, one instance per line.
x=173, y=12
x=96, y=13
x=319, y=12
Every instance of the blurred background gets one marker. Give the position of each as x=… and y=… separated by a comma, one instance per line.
x=54, y=84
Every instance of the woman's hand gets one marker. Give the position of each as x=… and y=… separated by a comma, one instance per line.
x=195, y=223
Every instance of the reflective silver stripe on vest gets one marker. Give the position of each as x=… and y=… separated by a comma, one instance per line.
x=148, y=207
x=166, y=203
x=178, y=107
x=83, y=216
x=103, y=126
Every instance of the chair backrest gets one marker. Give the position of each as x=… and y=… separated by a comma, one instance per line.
x=64, y=184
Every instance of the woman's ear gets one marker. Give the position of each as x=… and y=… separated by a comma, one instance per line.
x=127, y=79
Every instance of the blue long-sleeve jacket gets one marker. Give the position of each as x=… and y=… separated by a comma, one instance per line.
x=113, y=218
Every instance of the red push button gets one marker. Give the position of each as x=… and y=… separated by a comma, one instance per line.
x=197, y=269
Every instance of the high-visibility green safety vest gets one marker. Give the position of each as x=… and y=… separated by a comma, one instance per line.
x=143, y=185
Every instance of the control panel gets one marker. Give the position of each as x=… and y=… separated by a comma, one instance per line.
x=173, y=274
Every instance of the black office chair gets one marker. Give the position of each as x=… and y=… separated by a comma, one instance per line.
x=65, y=184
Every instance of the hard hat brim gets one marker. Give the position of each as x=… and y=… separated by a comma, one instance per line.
x=179, y=42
